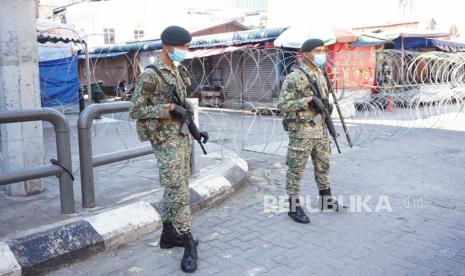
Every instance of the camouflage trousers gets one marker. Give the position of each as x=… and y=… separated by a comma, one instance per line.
x=173, y=157
x=298, y=152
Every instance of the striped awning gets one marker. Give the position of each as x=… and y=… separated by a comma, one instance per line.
x=49, y=31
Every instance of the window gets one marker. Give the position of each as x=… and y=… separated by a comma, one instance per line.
x=109, y=36
x=138, y=34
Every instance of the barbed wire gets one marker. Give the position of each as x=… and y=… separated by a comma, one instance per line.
x=239, y=92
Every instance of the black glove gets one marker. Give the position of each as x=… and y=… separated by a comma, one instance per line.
x=179, y=113
x=317, y=104
x=189, y=107
x=204, y=135
x=330, y=109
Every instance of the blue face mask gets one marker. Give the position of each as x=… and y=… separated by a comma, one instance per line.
x=319, y=60
x=177, y=55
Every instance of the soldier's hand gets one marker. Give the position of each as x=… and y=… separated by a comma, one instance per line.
x=317, y=104
x=180, y=113
x=330, y=109
x=189, y=107
x=204, y=136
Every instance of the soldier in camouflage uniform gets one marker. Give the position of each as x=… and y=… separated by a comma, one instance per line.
x=308, y=136
x=158, y=120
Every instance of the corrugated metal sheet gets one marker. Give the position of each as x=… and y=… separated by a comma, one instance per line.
x=235, y=38
x=216, y=40
x=107, y=55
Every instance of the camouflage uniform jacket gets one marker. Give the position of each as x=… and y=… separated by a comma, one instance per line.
x=293, y=104
x=150, y=103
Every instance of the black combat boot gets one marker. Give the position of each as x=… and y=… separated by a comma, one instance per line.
x=170, y=238
x=296, y=212
x=327, y=202
x=189, y=260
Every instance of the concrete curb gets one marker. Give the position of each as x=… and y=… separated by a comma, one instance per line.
x=41, y=250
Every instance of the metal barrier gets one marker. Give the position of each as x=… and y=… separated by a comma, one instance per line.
x=87, y=160
x=61, y=167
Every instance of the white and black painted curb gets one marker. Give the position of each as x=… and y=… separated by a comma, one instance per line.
x=46, y=250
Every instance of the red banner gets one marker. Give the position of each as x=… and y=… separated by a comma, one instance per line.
x=352, y=67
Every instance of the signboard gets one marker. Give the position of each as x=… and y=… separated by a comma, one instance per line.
x=352, y=67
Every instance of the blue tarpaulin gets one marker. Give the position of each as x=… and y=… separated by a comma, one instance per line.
x=414, y=38
x=59, y=83
x=449, y=45
x=423, y=42
x=412, y=42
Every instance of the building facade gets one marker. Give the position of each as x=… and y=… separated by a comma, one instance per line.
x=115, y=22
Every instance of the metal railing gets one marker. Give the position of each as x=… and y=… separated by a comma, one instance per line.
x=61, y=167
x=86, y=158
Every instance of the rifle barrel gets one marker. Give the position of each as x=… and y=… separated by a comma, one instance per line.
x=336, y=103
x=337, y=145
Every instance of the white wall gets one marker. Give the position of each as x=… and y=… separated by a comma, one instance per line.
x=332, y=12
x=151, y=16
x=125, y=16
x=363, y=12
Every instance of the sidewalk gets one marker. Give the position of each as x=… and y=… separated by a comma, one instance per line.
x=128, y=198
x=114, y=183
x=240, y=238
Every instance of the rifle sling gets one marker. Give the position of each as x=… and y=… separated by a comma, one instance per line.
x=160, y=74
x=312, y=83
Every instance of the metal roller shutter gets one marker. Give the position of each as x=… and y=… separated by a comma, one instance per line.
x=260, y=76
x=231, y=75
